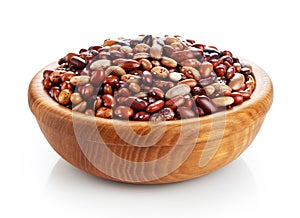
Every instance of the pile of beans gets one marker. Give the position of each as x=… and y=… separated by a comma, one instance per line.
x=150, y=78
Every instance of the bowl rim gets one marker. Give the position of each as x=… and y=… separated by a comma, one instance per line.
x=36, y=92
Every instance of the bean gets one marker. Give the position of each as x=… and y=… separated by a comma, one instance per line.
x=197, y=90
x=245, y=94
x=97, y=76
x=90, y=112
x=141, y=94
x=156, y=93
x=126, y=49
x=102, y=63
x=205, y=69
x=175, y=102
x=190, y=82
x=206, y=81
x=191, y=62
x=160, y=72
x=163, y=84
x=135, y=103
x=129, y=64
x=181, y=89
x=107, y=89
x=80, y=107
x=156, y=52
x=111, y=80
x=185, y=113
x=130, y=78
x=117, y=54
x=141, y=55
x=109, y=42
x=155, y=63
x=175, y=76
x=134, y=87
x=108, y=100
x=170, y=40
x=200, y=111
x=141, y=47
x=154, y=107
x=167, y=113
x=168, y=50
x=55, y=76
x=79, y=80
x=123, y=112
x=220, y=70
x=115, y=70
x=47, y=83
x=123, y=92
x=68, y=57
x=230, y=72
x=182, y=55
x=97, y=103
x=146, y=64
x=147, y=40
x=67, y=76
x=206, y=104
x=209, y=90
x=87, y=91
x=141, y=116
x=147, y=78
x=46, y=73
x=104, y=112
x=237, y=81
x=238, y=98
x=77, y=62
x=64, y=96
x=66, y=85
x=237, y=67
x=177, y=46
x=168, y=62
x=223, y=101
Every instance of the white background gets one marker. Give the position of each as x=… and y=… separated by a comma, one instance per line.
x=36, y=182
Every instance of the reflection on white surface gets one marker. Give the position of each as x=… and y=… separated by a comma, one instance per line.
x=221, y=190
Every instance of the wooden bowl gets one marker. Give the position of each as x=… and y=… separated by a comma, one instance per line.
x=146, y=153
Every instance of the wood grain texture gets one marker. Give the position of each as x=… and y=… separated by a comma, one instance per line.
x=124, y=150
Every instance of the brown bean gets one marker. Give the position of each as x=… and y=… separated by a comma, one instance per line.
x=147, y=78
x=190, y=82
x=55, y=76
x=107, y=89
x=97, y=103
x=123, y=92
x=67, y=76
x=168, y=62
x=156, y=93
x=130, y=64
x=141, y=116
x=77, y=62
x=117, y=54
x=245, y=94
x=142, y=47
x=64, y=96
x=220, y=70
x=46, y=73
x=237, y=67
x=79, y=80
x=47, y=83
x=177, y=46
x=156, y=52
x=189, y=103
x=87, y=91
x=134, y=87
x=102, y=63
x=238, y=98
x=104, y=112
x=108, y=100
x=68, y=57
x=123, y=112
x=200, y=111
x=156, y=106
x=191, y=62
x=111, y=80
x=115, y=70
x=126, y=49
x=206, y=104
x=135, y=103
x=164, y=85
x=163, y=114
x=168, y=50
x=146, y=64
x=185, y=113
x=160, y=72
x=66, y=85
x=182, y=55
x=97, y=76
x=180, y=89
x=205, y=69
x=141, y=55
x=230, y=72
x=175, y=102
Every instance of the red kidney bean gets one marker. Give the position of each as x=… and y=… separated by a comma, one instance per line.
x=135, y=103
x=185, y=113
x=156, y=93
x=197, y=90
x=237, y=67
x=147, y=77
x=206, y=104
x=238, y=98
x=227, y=58
x=108, y=100
x=129, y=64
x=97, y=76
x=141, y=116
x=182, y=55
x=107, y=89
x=156, y=106
x=123, y=112
x=46, y=73
x=175, y=102
x=87, y=91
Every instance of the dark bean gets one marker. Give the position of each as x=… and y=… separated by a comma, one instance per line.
x=97, y=76
x=53, y=90
x=46, y=73
x=134, y=42
x=147, y=77
x=156, y=106
x=206, y=81
x=107, y=89
x=200, y=111
x=135, y=103
x=220, y=70
x=245, y=94
x=182, y=55
x=66, y=85
x=185, y=113
x=206, y=104
x=167, y=113
x=141, y=116
x=197, y=90
x=108, y=100
x=237, y=67
x=156, y=93
x=67, y=76
x=129, y=64
x=227, y=58
x=87, y=91
x=175, y=102
x=77, y=62
x=123, y=112
x=230, y=72
x=245, y=71
x=55, y=76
